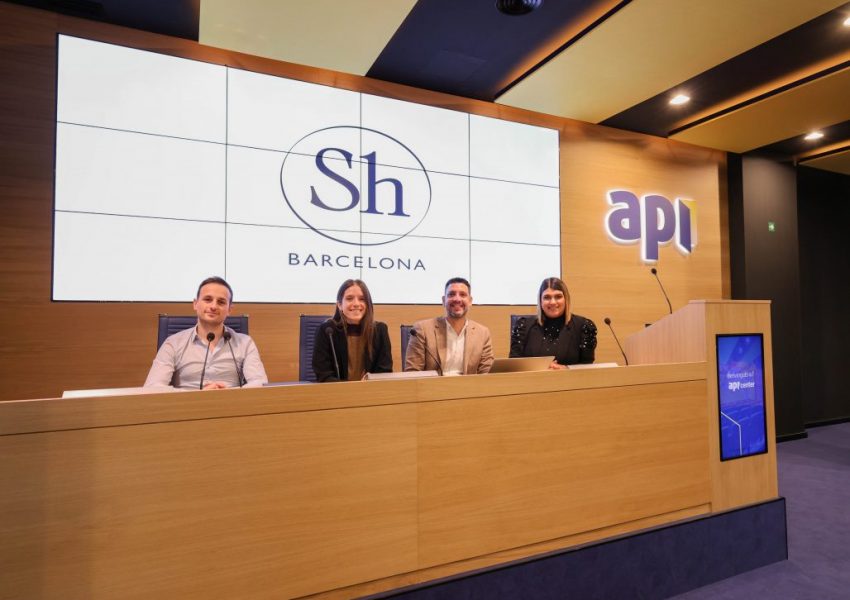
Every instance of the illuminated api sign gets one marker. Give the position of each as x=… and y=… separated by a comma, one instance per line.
x=651, y=221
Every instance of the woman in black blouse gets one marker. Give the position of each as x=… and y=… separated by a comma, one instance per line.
x=554, y=330
x=360, y=344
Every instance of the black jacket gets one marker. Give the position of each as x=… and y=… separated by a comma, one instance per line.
x=576, y=341
x=323, y=359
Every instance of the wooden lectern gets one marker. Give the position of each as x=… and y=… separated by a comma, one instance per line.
x=688, y=335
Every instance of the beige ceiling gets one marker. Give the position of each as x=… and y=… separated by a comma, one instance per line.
x=777, y=117
x=838, y=162
x=650, y=46
x=645, y=48
x=330, y=34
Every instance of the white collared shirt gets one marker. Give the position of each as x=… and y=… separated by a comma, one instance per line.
x=183, y=356
x=455, y=343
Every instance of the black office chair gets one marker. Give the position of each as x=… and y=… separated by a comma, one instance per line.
x=514, y=319
x=307, y=339
x=405, y=337
x=170, y=324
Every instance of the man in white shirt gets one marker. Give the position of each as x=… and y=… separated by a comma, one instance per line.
x=208, y=356
x=454, y=344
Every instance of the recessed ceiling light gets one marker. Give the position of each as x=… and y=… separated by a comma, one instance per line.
x=679, y=99
x=815, y=135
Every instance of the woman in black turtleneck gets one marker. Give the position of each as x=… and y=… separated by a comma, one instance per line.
x=554, y=331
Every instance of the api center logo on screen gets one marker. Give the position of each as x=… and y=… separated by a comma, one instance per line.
x=356, y=185
x=652, y=221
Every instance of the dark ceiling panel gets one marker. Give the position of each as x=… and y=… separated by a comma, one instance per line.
x=817, y=40
x=468, y=47
x=178, y=18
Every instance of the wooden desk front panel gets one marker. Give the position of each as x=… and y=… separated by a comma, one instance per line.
x=272, y=506
x=284, y=492
x=504, y=472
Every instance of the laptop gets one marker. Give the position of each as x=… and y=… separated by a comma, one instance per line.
x=521, y=365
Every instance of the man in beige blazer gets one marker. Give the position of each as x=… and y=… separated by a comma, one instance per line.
x=454, y=344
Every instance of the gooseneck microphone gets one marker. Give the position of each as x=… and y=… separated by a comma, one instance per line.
x=329, y=331
x=226, y=337
x=210, y=338
x=436, y=359
x=654, y=271
x=608, y=323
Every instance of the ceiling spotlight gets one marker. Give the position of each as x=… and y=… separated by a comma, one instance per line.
x=679, y=99
x=517, y=7
x=815, y=135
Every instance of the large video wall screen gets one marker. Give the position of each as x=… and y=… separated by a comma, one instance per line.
x=169, y=170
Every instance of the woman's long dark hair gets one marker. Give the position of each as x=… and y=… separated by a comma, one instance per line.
x=554, y=283
x=367, y=323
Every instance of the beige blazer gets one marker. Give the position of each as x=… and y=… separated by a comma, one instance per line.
x=477, y=350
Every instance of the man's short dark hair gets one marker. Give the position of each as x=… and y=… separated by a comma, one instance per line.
x=217, y=280
x=458, y=280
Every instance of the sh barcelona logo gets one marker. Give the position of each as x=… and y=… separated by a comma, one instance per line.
x=356, y=185
x=651, y=221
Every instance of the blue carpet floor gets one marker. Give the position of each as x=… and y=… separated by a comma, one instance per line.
x=814, y=477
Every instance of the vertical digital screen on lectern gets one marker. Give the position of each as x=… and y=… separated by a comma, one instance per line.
x=740, y=386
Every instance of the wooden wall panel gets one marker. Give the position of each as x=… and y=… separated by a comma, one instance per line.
x=608, y=279
x=50, y=347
